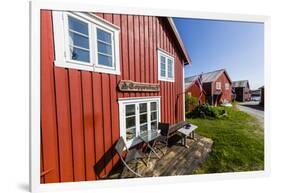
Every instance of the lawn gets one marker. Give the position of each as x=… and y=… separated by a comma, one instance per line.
x=238, y=142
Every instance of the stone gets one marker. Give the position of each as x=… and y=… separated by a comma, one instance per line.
x=197, y=154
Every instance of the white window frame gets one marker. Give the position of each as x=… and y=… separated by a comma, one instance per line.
x=218, y=85
x=122, y=116
x=167, y=56
x=61, y=40
x=226, y=86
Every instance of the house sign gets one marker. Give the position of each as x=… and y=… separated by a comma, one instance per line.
x=131, y=86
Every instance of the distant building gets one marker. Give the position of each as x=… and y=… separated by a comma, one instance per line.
x=193, y=89
x=262, y=95
x=256, y=95
x=216, y=85
x=242, y=90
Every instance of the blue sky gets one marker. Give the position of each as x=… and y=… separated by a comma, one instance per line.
x=237, y=47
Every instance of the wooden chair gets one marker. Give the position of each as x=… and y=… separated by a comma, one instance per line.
x=167, y=131
x=130, y=155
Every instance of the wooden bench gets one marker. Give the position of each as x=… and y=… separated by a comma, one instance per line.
x=183, y=128
x=167, y=130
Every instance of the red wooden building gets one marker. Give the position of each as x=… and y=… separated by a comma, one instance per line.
x=217, y=86
x=242, y=90
x=193, y=89
x=104, y=76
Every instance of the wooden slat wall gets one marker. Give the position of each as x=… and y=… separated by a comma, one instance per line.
x=79, y=109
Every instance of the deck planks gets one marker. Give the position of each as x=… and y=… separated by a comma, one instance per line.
x=178, y=160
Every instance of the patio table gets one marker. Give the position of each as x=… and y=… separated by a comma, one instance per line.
x=186, y=131
x=149, y=136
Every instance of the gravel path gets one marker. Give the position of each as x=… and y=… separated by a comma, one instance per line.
x=253, y=108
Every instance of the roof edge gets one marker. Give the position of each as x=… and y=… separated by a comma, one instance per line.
x=185, y=53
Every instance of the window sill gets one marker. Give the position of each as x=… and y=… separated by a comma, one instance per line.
x=72, y=65
x=106, y=70
x=79, y=66
x=166, y=80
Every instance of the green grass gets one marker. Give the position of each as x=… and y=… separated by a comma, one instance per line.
x=238, y=143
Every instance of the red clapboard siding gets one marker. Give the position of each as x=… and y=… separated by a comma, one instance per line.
x=137, y=48
x=88, y=114
x=131, y=51
x=42, y=179
x=142, y=58
x=79, y=109
x=150, y=50
x=117, y=21
x=124, y=50
x=98, y=121
x=64, y=125
x=107, y=112
x=76, y=108
x=49, y=137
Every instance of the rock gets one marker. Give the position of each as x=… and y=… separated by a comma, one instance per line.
x=200, y=144
x=207, y=140
x=197, y=154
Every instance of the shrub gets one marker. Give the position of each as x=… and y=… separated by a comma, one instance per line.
x=206, y=111
x=190, y=103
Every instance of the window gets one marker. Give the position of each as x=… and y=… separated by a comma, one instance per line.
x=165, y=66
x=104, y=49
x=218, y=85
x=138, y=116
x=78, y=32
x=130, y=121
x=86, y=42
x=226, y=86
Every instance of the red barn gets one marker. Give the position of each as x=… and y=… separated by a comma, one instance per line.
x=193, y=89
x=217, y=86
x=242, y=90
x=104, y=76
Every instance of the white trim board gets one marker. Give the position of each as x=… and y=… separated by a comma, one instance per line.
x=122, y=117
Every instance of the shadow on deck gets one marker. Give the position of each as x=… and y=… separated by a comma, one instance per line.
x=178, y=160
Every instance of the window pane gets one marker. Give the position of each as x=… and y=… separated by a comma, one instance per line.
x=162, y=59
x=79, y=54
x=163, y=70
x=153, y=106
x=105, y=60
x=154, y=116
x=104, y=48
x=154, y=125
x=130, y=122
x=130, y=110
x=143, y=128
x=170, y=68
x=77, y=25
x=143, y=107
x=130, y=133
x=143, y=118
x=78, y=40
x=103, y=36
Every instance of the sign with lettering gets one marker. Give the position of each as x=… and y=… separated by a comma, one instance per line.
x=131, y=86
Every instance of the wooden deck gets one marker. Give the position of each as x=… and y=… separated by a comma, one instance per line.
x=178, y=160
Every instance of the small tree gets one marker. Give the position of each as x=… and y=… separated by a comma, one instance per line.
x=190, y=103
